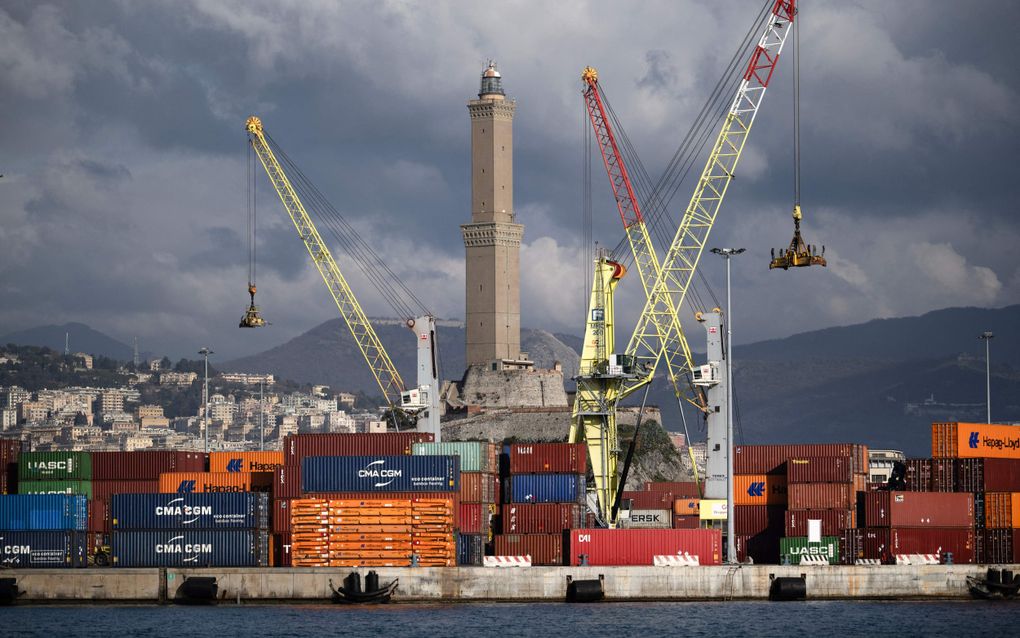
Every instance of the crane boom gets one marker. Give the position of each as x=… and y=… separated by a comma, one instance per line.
x=385, y=373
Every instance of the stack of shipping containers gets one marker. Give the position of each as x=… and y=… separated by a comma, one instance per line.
x=43, y=530
x=479, y=468
x=543, y=495
x=823, y=488
x=663, y=505
x=934, y=523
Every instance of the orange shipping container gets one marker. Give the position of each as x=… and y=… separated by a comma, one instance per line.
x=687, y=506
x=1002, y=510
x=974, y=440
x=245, y=461
x=759, y=489
x=200, y=482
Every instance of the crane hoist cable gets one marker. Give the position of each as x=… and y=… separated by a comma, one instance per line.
x=252, y=318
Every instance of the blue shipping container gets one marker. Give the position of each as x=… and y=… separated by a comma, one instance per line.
x=545, y=488
x=190, y=548
x=380, y=474
x=39, y=512
x=42, y=549
x=470, y=549
x=214, y=510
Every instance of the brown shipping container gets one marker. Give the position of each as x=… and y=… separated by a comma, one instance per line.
x=686, y=522
x=548, y=458
x=763, y=549
x=475, y=518
x=974, y=440
x=281, y=550
x=650, y=500
x=281, y=515
x=819, y=469
x=943, y=475
x=833, y=521
x=105, y=489
x=544, y=549
x=757, y=519
x=640, y=546
x=918, y=509
x=298, y=446
x=540, y=518
x=477, y=487
x=199, y=482
x=762, y=489
x=771, y=459
x=687, y=506
x=245, y=461
x=918, y=475
x=1002, y=510
x=883, y=543
x=99, y=518
x=144, y=465
x=851, y=546
x=825, y=496
x=287, y=482
x=9, y=450
x=679, y=489
x=988, y=475
x=875, y=487
x=996, y=546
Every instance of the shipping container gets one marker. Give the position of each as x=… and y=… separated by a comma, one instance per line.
x=56, y=487
x=974, y=440
x=210, y=511
x=43, y=512
x=453, y=498
x=475, y=518
x=979, y=509
x=475, y=456
x=540, y=518
x=471, y=549
x=299, y=446
x=544, y=549
x=19, y=550
x=686, y=522
x=287, y=482
x=687, y=506
x=9, y=450
x=833, y=521
x=281, y=550
x=820, y=469
x=851, y=546
x=105, y=489
x=99, y=517
x=823, y=496
x=756, y=519
x=988, y=475
x=55, y=466
x=639, y=546
x=649, y=500
x=477, y=487
x=996, y=546
x=245, y=461
x=190, y=548
x=202, y=482
x=548, y=458
x=943, y=475
x=771, y=459
x=884, y=543
x=918, y=509
x=679, y=489
x=1002, y=510
x=544, y=488
x=918, y=475
x=761, y=489
x=647, y=519
x=793, y=549
x=762, y=549
x=144, y=465
x=380, y=474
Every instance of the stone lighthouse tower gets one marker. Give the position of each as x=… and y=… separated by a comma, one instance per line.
x=492, y=240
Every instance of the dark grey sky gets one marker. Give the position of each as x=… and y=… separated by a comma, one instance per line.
x=122, y=204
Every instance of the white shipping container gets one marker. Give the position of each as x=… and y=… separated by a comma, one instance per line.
x=648, y=519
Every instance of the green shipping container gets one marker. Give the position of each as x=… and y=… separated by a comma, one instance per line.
x=56, y=487
x=55, y=466
x=475, y=456
x=796, y=547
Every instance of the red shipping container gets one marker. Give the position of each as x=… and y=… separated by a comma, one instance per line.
x=884, y=544
x=548, y=458
x=820, y=469
x=988, y=475
x=144, y=465
x=875, y=487
x=280, y=550
x=824, y=496
x=540, y=518
x=771, y=459
x=475, y=518
x=918, y=475
x=477, y=487
x=287, y=481
x=686, y=522
x=833, y=521
x=9, y=450
x=298, y=446
x=679, y=489
x=639, y=546
x=996, y=546
x=281, y=516
x=751, y=520
x=650, y=500
x=851, y=546
x=943, y=475
x=762, y=549
x=103, y=490
x=544, y=549
x=918, y=509
x=99, y=519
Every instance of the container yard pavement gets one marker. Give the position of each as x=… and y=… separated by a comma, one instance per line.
x=465, y=584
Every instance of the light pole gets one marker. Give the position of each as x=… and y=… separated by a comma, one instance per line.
x=987, y=337
x=731, y=548
x=205, y=352
x=262, y=434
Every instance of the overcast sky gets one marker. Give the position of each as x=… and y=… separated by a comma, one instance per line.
x=123, y=152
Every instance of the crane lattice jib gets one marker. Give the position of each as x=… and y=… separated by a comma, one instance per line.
x=645, y=258
x=371, y=347
x=652, y=335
